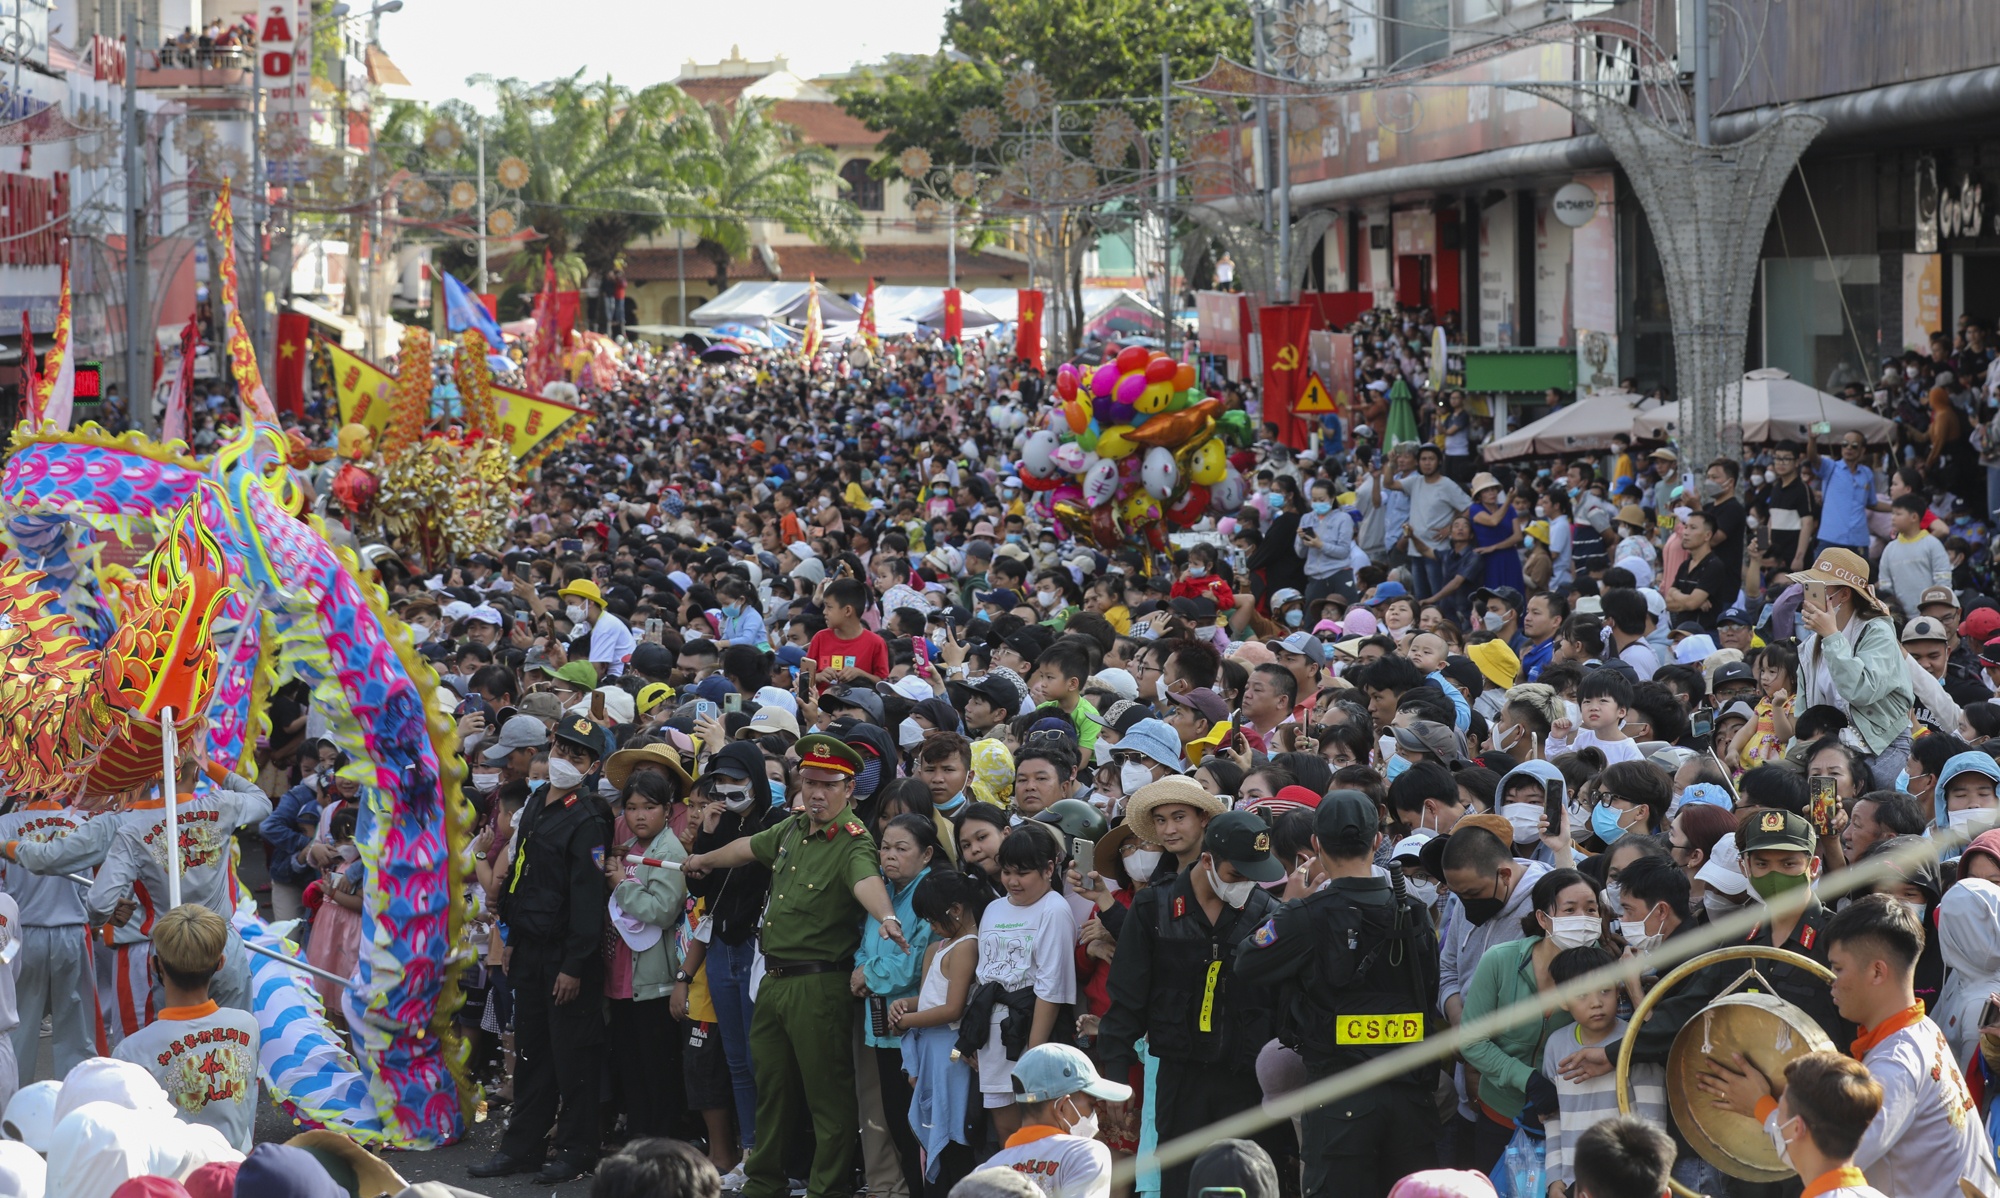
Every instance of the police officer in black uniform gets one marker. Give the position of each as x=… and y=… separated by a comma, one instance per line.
x=1173, y=981
x=553, y=907
x=1355, y=965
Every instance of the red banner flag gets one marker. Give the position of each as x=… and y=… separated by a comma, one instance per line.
x=869, y=337
x=542, y=367
x=31, y=387
x=815, y=334
x=954, y=315
x=294, y=329
x=1283, y=331
x=1028, y=326
x=566, y=308
x=174, y=425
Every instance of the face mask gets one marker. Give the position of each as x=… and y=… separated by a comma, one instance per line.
x=485, y=782
x=1770, y=886
x=777, y=794
x=1969, y=817
x=1716, y=906
x=909, y=735
x=1160, y=688
x=1295, y=618
x=1638, y=937
x=1779, y=1142
x=1394, y=769
x=1322, y=508
x=1917, y=911
x=1140, y=864
x=1424, y=892
x=1494, y=621
x=1086, y=1127
x=732, y=610
x=419, y=633
x=1048, y=598
x=1132, y=775
x=1197, y=571
x=1101, y=754
x=575, y=612
x=1277, y=501
x=1575, y=931
x=737, y=799
x=950, y=806
x=563, y=777
x=1613, y=893
x=1604, y=822
x=1015, y=538
x=1526, y=818
x=1234, y=893
x=1479, y=910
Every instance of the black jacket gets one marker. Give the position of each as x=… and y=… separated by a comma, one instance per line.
x=555, y=904
x=1173, y=981
x=736, y=896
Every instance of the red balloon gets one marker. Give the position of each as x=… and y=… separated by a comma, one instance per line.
x=1161, y=370
x=1066, y=382
x=1183, y=377
x=1131, y=358
x=1030, y=482
x=1192, y=506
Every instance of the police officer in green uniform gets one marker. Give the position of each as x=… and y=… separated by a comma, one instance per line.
x=1356, y=968
x=554, y=909
x=1173, y=981
x=824, y=878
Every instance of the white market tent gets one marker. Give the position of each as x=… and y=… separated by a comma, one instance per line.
x=1586, y=425
x=1778, y=407
x=1002, y=302
x=763, y=304
x=925, y=306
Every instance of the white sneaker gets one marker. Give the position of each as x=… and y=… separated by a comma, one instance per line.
x=734, y=1180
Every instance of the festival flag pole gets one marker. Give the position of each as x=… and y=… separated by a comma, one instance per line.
x=169, y=786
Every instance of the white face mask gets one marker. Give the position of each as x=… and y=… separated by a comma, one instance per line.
x=1160, y=688
x=1140, y=864
x=419, y=633
x=1916, y=910
x=1132, y=775
x=1575, y=931
x=1779, y=1142
x=563, y=777
x=1638, y=937
x=909, y=735
x=1424, y=892
x=485, y=781
x=576, y=612
x=1526, y=818
x=1234, y=893
x=1968, y=817
x=1716, y=906
x=1101, y=754
x=1048, y=598
x=1085, y=1127
x=736, y=800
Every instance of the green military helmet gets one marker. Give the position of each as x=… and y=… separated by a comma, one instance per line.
x=1075, y=819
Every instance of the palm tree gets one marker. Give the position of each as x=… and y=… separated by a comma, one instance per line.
x=734, y=169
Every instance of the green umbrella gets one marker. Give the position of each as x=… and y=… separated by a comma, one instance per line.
x=1402, y=425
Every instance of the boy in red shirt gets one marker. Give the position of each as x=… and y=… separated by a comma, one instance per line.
x=844, y=652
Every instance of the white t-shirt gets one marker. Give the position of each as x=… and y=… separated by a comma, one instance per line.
x=1021, y=947
x=1614, y=751
x=611, y=644
x=205, y=1058
x=1060, y=1165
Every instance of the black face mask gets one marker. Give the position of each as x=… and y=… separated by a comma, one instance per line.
x=1479, y=910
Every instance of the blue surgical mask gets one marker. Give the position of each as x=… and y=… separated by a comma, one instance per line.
x=1604, y=822
x=1277, y=501
x=1295, y=617
x=732, y=610
x=777, y=794
x=1322, y=508
x=951, y=806
x=1015, y=538
x=1397, y=764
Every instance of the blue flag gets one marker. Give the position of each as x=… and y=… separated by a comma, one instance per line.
x=462, y=310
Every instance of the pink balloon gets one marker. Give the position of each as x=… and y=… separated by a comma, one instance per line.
x=1104, y=380
x=1131, y=387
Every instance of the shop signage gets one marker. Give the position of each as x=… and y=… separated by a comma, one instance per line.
x=1575, y=204
x=1947, y=210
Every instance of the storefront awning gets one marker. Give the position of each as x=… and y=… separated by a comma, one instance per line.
x=352, y=335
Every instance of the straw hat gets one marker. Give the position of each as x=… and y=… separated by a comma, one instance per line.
x=1632, y=514
x=1176, y=789
x=1482, y=481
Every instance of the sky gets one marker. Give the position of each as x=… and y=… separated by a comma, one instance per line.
x=438, y=43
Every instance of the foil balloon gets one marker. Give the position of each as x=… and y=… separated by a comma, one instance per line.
x=1176, y=428
x=1116, y=442
x=1228, y=495
x=1071, y=458
x=1138, y=509
x=1075, y=519
x=1038, y=455
x=1208, y=463
x=1160, y=474
x=1100, y=482
x=1190, y=507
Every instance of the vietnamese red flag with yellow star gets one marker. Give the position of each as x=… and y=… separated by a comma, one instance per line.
x=294, y=330
x=954, y=316
x=1028, y=326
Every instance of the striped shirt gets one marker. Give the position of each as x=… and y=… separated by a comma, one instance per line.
x=1588, y=1103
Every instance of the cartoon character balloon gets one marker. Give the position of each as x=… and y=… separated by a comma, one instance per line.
x=1160, y=473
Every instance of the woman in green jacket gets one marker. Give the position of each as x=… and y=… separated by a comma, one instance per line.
x=1565, y=915
x=647, y=901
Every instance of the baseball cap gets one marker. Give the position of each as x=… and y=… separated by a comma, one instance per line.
x=1434, y=740
x=1345, y=817
x=1734, y=615
x=1119, y=682
x=1781, y=830
x=1507, y=595
x=1937, y=595
x=1303, y=643
x=997, y=690
x=1724, y=868
x=1211, y=705
x=1244, y=841
x=519, y=732
x=650, y=660
x=715, y=688
x=581, y=731
x=767, y=720
x=1738, y=710
x=1000, y=598
x=1925, y=628
x=1047, y=1072
x=652, y=695
x=1734, y=672
x=1387, y=591
x=859, y=697
x=541, y=705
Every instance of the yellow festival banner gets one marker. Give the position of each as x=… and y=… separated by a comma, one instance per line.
x=366, y=392
x=535, y=428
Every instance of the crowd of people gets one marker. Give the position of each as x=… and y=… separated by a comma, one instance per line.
x=844, y=816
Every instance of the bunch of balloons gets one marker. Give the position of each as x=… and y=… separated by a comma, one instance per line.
x=1133, y=447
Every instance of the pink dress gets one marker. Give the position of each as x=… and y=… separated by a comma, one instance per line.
x=335, y=944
